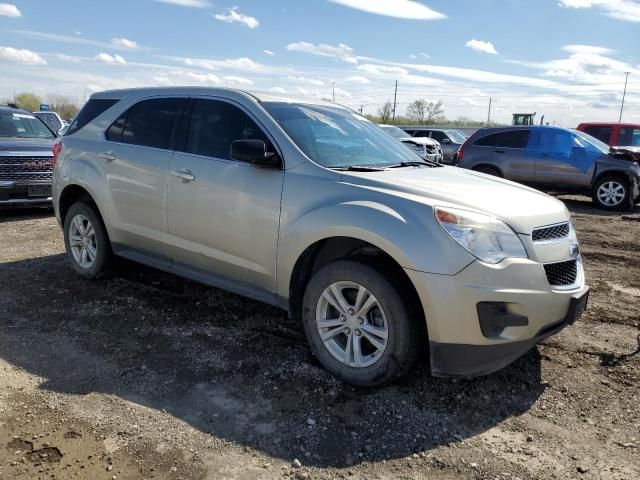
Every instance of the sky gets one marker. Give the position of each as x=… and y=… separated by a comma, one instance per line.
x=565, y=59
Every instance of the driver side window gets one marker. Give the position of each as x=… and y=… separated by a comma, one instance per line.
x=215, y=125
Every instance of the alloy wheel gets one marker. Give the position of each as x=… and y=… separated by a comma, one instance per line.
x=611, y=193
x=351, y=323
x=82, y=241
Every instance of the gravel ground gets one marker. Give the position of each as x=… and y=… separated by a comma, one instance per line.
x=146, y=375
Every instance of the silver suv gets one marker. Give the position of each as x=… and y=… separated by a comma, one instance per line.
x=310, y=207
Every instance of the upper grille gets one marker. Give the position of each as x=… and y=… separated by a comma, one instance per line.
x=25, y=169
x=562, y=274
x=551, y=233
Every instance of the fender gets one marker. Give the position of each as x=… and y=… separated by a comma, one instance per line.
x=399, y=234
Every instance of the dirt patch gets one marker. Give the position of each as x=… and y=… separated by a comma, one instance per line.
x=147, y=375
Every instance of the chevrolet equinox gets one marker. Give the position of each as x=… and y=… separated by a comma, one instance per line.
x=310, y=207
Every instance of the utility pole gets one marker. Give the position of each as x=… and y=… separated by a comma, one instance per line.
x=361, y=109
x=395, y=97
x=333, y=91
x=624, y=94
x=489, y=114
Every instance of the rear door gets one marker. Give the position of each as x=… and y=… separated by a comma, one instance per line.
x=223, y=215
x=138, y=153
x=509, y=151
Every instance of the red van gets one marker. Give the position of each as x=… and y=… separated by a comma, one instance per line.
x=613, y=134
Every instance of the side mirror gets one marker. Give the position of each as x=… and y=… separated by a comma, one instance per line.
x=445, y=140
x=253, y=151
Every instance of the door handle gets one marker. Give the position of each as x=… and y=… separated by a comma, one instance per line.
x=184, y=174
x=108, y=156
x=500, y=151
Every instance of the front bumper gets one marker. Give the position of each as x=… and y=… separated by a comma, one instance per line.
x=14, y=193
x=458, y=346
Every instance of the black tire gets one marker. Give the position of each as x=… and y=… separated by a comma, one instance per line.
x=404, y=338
x=103, y=254
x=617, y=182
x=488, y=170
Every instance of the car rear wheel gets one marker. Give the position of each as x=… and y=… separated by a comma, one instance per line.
x=488, y=170
x=86, y=241
x=358, y=325
x=612, y=193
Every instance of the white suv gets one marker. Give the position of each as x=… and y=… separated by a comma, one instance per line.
x=311, y=207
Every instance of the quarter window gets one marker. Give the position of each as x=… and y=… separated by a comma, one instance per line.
x=510, y=139
x=439, y=136
x=215, y=125
x=148, y=123
x=92, y=109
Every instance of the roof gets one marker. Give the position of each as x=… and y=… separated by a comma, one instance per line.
x=191, y=90
x=610, y=124
x=6, y=108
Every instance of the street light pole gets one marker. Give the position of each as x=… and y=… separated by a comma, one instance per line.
x=624, y=94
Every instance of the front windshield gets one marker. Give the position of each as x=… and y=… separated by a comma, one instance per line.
x=336, y=137
x=457, y=136
x=594, y=142
x=395, y=131
x=22, y=125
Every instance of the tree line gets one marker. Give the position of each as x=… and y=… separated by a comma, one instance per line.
x=64, y=106
x=420, y=112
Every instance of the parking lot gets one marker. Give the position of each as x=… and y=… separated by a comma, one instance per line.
x=147, y=375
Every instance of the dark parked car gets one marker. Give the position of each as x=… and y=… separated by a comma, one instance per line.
x=25, y=158
x=555, y=159
x=449, y=139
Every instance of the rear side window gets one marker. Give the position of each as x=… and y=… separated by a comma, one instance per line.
x=629, y=137
x=600, y=132
x=215, y=125
x=510, y=139
x=148, y=123
x=439, y=136
x=91, y=110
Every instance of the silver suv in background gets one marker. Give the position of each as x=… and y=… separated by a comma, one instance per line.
x=449, y=139
x=427, y=148
x=25, y=158
x=554, y=159
x=307, y=206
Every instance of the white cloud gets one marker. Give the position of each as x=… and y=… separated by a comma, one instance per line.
x=187, y=3
x=627, y=10
x=482, y=47
x=9, y=10
x=341, y=52
x=23, y=56
x=309, y=81
x=182, y=77
x=232, y=16
x=110, y=59
x=357, y=79
x=342, y=93
x=243, y=63
x=76, y=40
x=68, y=58
x=269, y=52
x=374, y=69
x=124, y=43
x=237, y=80
x=393, y=8
x=277, y=90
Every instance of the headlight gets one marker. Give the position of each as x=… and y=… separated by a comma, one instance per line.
x=485, y=237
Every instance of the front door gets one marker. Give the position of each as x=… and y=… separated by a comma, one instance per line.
x=562, y=159
x=223, y=215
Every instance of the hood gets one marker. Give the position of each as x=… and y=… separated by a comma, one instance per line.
x=21, y=146
x=521, y=207
x=420, y=140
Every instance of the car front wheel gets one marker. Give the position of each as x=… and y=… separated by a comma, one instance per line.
x=612, y=193
x=358, y=325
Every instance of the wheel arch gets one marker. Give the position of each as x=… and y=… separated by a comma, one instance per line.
x=486, y=164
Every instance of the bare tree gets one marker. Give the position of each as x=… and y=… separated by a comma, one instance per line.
x=65, y=106
x=385, y=111
x=425, y=112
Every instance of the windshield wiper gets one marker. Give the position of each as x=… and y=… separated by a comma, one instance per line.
x=357, y=168
x=415, y=164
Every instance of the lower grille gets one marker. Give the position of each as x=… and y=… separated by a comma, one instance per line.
x=562, y=274
x=25, y=169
